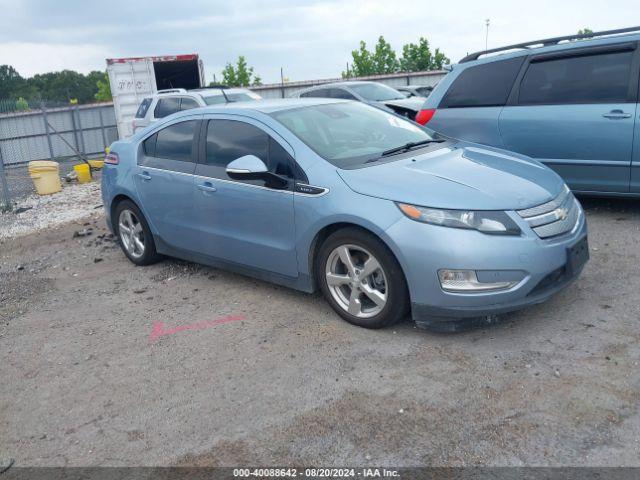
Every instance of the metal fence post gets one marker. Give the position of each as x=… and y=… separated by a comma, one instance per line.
x=75, y=130
x=104, y=135
x=6, y=196
x=46, y=129
x=84, y=150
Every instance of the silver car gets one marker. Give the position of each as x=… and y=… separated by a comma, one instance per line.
x=372, y=93
x=166, y=102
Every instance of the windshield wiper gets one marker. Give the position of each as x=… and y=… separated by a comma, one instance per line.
x=406, y=147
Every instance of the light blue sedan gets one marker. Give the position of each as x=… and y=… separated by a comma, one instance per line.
x=382, y=216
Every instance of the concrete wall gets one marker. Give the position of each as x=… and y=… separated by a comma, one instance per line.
x=277, y=90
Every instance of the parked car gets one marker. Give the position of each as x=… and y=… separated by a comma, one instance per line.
x=416, y=90
x=166, y=102
x=572, y=104
x=373, y=93
x=340, y=196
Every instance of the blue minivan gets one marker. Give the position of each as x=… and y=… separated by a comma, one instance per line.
x=569, y=102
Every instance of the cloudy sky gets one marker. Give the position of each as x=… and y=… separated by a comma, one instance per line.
x=309, y=39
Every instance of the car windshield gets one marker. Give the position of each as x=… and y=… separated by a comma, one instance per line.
x=233, y=97
x=349, y=134
x=376, y=92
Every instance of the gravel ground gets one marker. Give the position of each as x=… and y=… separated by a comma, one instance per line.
x=263, y=375
x=35, y=213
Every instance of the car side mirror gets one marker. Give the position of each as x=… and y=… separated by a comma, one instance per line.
x=248, y=167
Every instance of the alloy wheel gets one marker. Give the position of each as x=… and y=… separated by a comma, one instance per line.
x=356, y=281
x=131, y=233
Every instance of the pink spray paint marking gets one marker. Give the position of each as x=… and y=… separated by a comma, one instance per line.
x=158, y=329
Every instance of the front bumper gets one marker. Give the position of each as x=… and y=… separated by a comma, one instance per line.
x=424, y=249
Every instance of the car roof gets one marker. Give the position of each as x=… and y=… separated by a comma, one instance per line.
x=558, y=47
x=208, y=92
x=264, y=106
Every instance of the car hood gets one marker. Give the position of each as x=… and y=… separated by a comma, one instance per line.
x=411, y=103
x=459, y=176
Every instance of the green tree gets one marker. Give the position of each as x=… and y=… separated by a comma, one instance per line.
x=22, y=105
x=65, y=85
x=384, y=58
x=10, y=82
x=104, y=89
x=418, y=57
x=240, y=75
x=362, y=62
x=585, y=31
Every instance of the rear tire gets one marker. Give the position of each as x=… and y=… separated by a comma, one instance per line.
x=133, y=234
x=361, y=279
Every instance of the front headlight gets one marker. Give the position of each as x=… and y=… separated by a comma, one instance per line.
x=485, y=221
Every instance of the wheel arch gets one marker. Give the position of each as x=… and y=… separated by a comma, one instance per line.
x=119, y=198
x=331, y=228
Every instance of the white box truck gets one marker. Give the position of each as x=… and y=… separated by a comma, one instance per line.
x=133, y=79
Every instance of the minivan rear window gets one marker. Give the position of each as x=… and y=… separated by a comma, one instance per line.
x=486, y=85
x=600, y=78
x=142, y=109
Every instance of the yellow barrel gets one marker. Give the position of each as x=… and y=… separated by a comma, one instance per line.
x=84, y=172
x=96, y=164
x=45, y=176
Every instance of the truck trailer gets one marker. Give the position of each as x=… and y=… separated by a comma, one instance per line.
x=133, y=79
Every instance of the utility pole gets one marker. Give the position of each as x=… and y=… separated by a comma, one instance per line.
x=486, y=38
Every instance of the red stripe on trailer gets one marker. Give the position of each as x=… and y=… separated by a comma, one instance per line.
x=162, y=58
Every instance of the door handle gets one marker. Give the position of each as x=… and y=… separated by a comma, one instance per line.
x=616, y=114
x=144, y=176
x=207, y=187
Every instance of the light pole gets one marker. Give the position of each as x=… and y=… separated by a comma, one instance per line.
x=486, y=37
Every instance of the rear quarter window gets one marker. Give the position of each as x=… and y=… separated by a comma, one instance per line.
x=602, y=78
x=143, y=108
x=486, y=85
x=166, y=106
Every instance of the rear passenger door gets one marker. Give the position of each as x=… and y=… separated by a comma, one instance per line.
x=164, y=181
x=575, y=111
x=245, y=222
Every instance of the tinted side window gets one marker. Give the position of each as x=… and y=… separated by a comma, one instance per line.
x=340, y=93
x=486, y=85
x=149, y=146
x=280, y=162
x=586, y=79
x=188, y=103
x=176, y=141
x=142, y=109
x=166, y=106
x=228, y=140
x=321, y=93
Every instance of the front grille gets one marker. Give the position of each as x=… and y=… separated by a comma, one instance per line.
x=553, y=218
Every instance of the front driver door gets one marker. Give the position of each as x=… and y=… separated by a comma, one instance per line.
x=249, y=223
x=164, y=181
x=576, y=114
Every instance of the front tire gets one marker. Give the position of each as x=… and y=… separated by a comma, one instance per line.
x=361, y=279
x=134, y=234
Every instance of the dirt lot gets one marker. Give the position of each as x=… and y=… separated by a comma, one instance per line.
x=263, y=375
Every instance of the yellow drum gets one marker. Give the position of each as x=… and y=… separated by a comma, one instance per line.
x=45, y=176
x=96, y=164
x=84, y=172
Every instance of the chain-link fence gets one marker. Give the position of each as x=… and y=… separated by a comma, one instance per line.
x=66, y=134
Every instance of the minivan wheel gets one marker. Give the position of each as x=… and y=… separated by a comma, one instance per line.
x=361, y=279
x=134, y=235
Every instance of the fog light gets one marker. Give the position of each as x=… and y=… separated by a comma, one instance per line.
x=466, y=281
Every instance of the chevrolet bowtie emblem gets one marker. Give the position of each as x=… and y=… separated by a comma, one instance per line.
x=561, y=213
